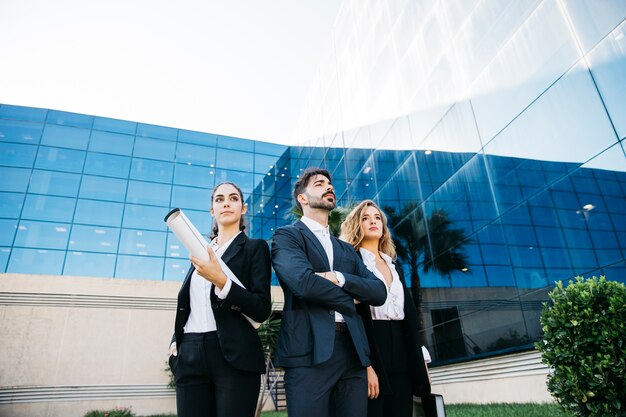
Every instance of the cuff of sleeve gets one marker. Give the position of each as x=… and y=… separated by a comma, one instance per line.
x=223, y=293
x=341, y=280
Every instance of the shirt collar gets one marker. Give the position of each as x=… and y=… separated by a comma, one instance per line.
x=372, y=257
x=314, y=226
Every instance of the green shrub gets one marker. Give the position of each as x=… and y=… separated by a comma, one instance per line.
x=584, y=344
x=116, y=412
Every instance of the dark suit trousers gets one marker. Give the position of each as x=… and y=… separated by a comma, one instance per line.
x=335, y=388
x=207, y=385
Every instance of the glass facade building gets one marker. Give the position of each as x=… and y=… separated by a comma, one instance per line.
x=492, y=133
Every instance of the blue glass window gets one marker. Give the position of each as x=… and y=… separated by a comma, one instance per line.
x=84, y=264
x=21, y=132
x=54, y=183
x=583, y=260
x=604, y=240
x=241, y=161
x=11, y=204
x=17, y=155
x=594, y=21
x=43, y=207
x=22, y=113
x=194, y=175
x=94, y=239
x=175, y=249
x=555, y=257
x=150, y=170
x=14, y=179
x=269, y=148
x=114, y=125
x=550, y=237
x=7, y=231
x=4, y=258
x=115, y=143
x=142, y=242
x=495, y=254
x=577, y=238
x=144, y=217
x=202, y=220
x=154, y=149
x=525, y=257
x=176, y=269
x=69, y=119
x=139, y=267
x=159, y=132
x=608, y=257
x=264, y=163
x=42, y=235
x=59, y=159
x=65, y=137
x=530, y=278
x=228, y=142
x=520, y=235
x=195, y=154
x=102, y=188
x=36, y=261
x=193, y=198
x=500, y=276
x=140, y=192
x=198, y=138
x=243, y=179
x=107, y=165
x=102, y=213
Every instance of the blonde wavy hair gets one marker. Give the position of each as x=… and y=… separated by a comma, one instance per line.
x=352, y=233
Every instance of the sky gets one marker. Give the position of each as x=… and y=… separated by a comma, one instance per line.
x=233, y=67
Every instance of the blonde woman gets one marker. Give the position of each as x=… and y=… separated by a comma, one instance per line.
x=398, y=370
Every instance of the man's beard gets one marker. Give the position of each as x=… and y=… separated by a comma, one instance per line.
x=321, y=202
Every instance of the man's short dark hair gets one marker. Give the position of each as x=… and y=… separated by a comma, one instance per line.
x=304, y=179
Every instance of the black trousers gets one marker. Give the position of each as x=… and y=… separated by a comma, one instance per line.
x=392, y=347
x=207, y=385
x=336, y=388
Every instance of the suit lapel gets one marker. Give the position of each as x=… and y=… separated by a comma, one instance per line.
x=337, y=251
x=234, y=248
x=313, y=240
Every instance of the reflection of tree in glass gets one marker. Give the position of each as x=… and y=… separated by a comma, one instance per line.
x=335, y=217
x=431, y=244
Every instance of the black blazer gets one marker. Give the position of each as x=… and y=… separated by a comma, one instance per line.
x=249, y=259
x=307, y=330
x=419, y=374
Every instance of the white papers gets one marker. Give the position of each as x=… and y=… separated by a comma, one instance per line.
x=197, y=246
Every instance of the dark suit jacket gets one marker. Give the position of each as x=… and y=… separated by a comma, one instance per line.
x=419, y=374
x=307, y=329
x=249, y=259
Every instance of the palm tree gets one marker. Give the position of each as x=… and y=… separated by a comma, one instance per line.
x=335, y=217
x=428, y=244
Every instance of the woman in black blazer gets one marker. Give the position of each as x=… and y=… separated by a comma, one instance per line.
x=398, y=370
x=216, y=355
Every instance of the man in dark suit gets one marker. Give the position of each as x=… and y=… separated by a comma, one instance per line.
x=322, y=343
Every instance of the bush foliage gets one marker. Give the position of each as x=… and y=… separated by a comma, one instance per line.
x=584, y=344
x=116, y=412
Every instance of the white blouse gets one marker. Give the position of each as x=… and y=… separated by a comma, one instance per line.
x=393, y=309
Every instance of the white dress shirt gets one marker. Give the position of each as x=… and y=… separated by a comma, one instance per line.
x=393, y=309
x=323, y=235
x=201, y=318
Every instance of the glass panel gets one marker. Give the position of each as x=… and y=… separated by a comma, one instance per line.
x=107, y=165
x=115, y=143
x=139, y=267
x=7, y=232
x=593, y=21
x=241, y=161
x=54, y=183
x=58, y=159
x=85, y=264
x=195, y=154
x=608, y=66
x=175, y=269
x=114, y=125
x=269, y=148
x=41, y=207
x=65, y=137
x=98, y=212
x=228, y=142
x=264, y=163
x=150, y=170
x=194, y=175
x=159, y=132
x=22, y=113
x=144, y=217
x=141, y=242
x=69, y=119
x=14, y=179
x=17, y=155
x=42, y=235
x=188, y=136
x=11, y=204
x=243, y=179
x=154, y=149
x=4, y=258
x=193, y=198
x=94, y=239
x=102, y=188
x=36, y=261
x=21, y=132
x=140, y=192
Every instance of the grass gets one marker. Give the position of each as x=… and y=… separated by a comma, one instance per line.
x=480, y=410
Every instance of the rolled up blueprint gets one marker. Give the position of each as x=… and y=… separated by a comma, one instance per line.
x=197, y=246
